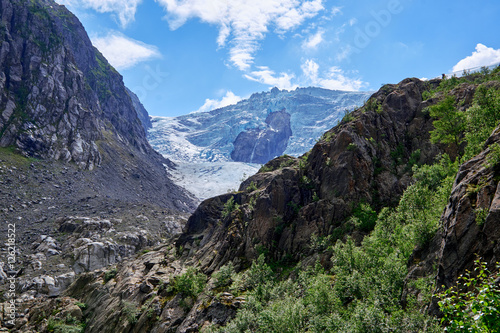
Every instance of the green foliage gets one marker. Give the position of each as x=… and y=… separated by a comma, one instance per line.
x=482, y=117
x=289, y=161
x=259, y=273
x=320, y=243
x=229, y=207
x=295, y=207
x=223, y=277
x=473, y=305
x=398, y=154
x=432, y=176
x=481, y=214
x=130, y=311
x=364, y=217
x=449, y=126
x=191, y=283
x=305, y=182
x=351, y=146
x=67, y=325
x=265, y=168
x=427, y=95
x=362, y=291
x=373, y=105
x=328, y=136
x=252, y=187
x=348, y=116
x=110, y=275
x=82, y=306
x=493, y=159
x=414, y=159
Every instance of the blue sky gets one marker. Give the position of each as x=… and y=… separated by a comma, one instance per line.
x=181, y=56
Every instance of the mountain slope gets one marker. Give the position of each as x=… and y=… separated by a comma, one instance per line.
x=61, y=100
x=78, y=177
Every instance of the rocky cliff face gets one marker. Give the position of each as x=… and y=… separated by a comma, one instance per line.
x=62, y=101
x=261, y=145
x=142, y=113
x=57, y=102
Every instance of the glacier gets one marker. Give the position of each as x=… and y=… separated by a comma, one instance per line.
x=201, y=143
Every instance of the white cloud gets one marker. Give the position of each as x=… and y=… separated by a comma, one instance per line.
x=123, y=52
x=242, y=23
x=336, y=11
x=334, y=79
x=125, y=9
x=267, y=76
x=313, y=41
x=344, y=53
x=483, y=56
x=212, y=104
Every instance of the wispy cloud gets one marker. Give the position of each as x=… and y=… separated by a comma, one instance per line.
x=124, y=9
x=483, y=56
x=334, y=78
x=242, y=23
x=123, y=52
x=267, y=76
x=336, y=11
x=312, y=42
x=212, y=104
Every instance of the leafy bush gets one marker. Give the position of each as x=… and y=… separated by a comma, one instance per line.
x=229, y=207
x=110, y=275
x=131, y=312
x=67, y=325
x=473, y=305
x=191, y=283
x=252, y=187
x=223, y=277
x=482, y=118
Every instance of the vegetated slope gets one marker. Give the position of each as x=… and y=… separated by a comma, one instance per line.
x=73, y=150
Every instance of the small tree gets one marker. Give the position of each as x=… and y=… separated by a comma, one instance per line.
x=449, y=125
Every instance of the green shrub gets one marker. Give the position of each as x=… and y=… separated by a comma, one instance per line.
x=493, y=159
x=131, y=312
x=110, y=275
x=229, y=207
x=191, y=283
x=473, y=305
x=450, y=125
x=67, y=325
x=352, y=146
x=252, y=187
x=223, y=277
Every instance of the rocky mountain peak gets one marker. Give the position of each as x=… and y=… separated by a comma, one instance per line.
x=59, y=94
